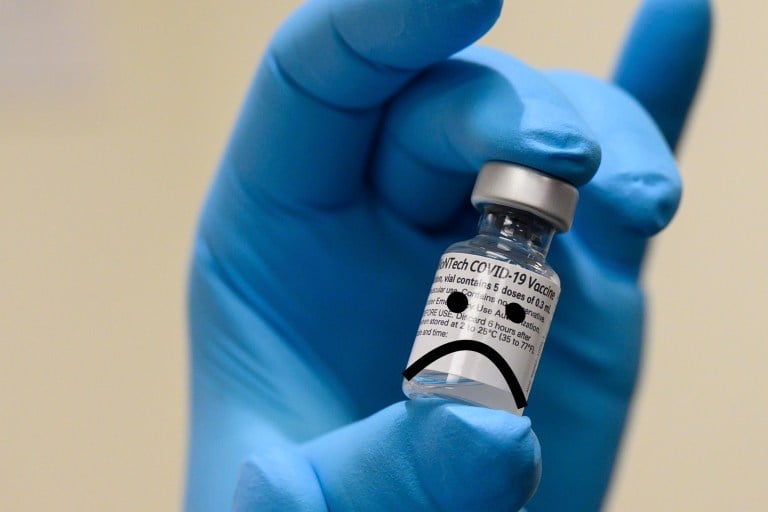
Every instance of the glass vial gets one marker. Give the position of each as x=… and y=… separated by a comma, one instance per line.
x=492, y=300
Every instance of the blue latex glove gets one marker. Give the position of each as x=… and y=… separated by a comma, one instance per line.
x=347, y=175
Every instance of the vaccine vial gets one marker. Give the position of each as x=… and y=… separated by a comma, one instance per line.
x=492, y=299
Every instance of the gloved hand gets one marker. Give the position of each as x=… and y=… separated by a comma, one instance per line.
x=347, y=175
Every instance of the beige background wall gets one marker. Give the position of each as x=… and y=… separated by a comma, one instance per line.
x=112, y=117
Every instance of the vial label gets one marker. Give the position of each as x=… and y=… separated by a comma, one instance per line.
x=485, y=320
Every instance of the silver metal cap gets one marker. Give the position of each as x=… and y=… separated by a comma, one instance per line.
x=527, y=189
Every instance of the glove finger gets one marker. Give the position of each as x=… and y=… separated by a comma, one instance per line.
x=481, y=105
x=594, y=344
x=306, y=128
x=637, y=188
x=663, y=59
x=428, y=455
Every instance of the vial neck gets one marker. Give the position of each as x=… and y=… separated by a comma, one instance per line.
x=517, y=230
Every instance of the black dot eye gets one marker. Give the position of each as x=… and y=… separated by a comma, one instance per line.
x=515, y=312
x=457, y=302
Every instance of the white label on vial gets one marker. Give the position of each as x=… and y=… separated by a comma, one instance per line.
x=485, y=320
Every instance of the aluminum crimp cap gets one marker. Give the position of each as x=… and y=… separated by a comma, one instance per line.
x=527, y=189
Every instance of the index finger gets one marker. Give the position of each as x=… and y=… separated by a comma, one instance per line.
x=663, y=59
x=311, y=114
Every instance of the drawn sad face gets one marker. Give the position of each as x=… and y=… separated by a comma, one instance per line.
x=458, y=302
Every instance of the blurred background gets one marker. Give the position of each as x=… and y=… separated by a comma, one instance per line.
x=112, y=118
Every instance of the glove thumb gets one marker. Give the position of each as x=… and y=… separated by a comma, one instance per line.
x=428, y=455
